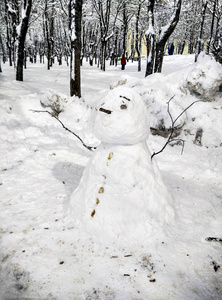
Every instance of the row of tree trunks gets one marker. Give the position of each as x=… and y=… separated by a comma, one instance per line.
x=12, y=21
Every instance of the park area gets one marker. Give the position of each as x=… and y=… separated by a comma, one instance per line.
x=44, y=252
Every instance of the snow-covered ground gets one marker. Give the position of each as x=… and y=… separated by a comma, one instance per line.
x=43, y=254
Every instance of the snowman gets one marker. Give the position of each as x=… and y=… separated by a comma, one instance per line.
x=121, y=192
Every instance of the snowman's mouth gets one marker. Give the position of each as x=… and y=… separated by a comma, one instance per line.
x=105, y=110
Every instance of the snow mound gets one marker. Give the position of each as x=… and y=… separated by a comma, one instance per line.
x=121, y=192
x=156, y=90
x=118, y=82
x=55, y=101
x=204, y=78
x=199, y=81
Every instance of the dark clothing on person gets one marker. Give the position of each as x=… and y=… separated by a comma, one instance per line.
x=171, y=49
x=123, y=62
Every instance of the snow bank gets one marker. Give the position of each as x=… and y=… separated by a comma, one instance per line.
x=204, y=78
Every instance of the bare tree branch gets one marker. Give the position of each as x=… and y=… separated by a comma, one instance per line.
x=46, y=111
x=170, y=139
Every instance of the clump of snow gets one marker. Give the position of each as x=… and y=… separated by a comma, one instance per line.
x=118, y=82
x=121, y=192
x=204, y=78
x=55, y=101
x=79, y=117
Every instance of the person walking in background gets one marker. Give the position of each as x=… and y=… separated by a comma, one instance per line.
x=171, y=49
x=123, y=62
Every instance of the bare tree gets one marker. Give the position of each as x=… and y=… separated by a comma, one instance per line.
x=150, y=39
x=27, y=5
x=107, y=22
x=164, y=34
x=217, y=45
x=156, y=43
x=75, y=22
x=49, y=29
x=209, y=42
x=2, y=45
x=198, y=47
x=11, y=21
x=138, y=34
x=127, y=14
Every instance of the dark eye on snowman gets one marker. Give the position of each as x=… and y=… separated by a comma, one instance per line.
x=125, y=98
x=123, y=106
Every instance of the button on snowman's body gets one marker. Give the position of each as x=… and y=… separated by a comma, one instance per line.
x=121, y=192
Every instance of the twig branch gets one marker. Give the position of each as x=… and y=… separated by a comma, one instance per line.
x=170, y=139
x=48, y=112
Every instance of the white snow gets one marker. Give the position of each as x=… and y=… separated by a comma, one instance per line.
x=121, y=192
x=120, y=125
x=43, y=253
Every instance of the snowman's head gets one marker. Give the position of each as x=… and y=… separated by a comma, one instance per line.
x=122, y=118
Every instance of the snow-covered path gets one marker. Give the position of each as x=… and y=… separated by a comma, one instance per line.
x=43, y=257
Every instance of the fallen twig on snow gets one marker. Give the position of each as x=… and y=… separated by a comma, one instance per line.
x=46, y=111
x=213, y=239
x=170, y=139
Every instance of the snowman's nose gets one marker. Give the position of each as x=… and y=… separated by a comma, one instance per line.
x=105, y=110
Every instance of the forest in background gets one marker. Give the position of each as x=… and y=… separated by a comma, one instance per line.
x=97, y=30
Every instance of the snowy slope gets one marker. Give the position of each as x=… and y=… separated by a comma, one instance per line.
x=43, y=255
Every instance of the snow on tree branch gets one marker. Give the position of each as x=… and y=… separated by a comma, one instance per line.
x=168, y=29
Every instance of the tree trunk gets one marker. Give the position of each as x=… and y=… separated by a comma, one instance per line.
x=21, y=39
x=212, y=28
x=103, y=55
x=103, y=10
x=137, y=37
x=75, y=20
x=217, y=45
x=124, y=28
x=150, y=39
x=198, y=48
x=159, y=56
x=3, y=49
x=164, y=35
x=51, y=33
x=11, y=21
x=47, y=35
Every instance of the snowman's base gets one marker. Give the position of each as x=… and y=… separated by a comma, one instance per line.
x=121, y=193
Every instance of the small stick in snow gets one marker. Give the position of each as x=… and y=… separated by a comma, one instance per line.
x=170, y=139
x=105, y=111
x=213, y=239
x=46, y=111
